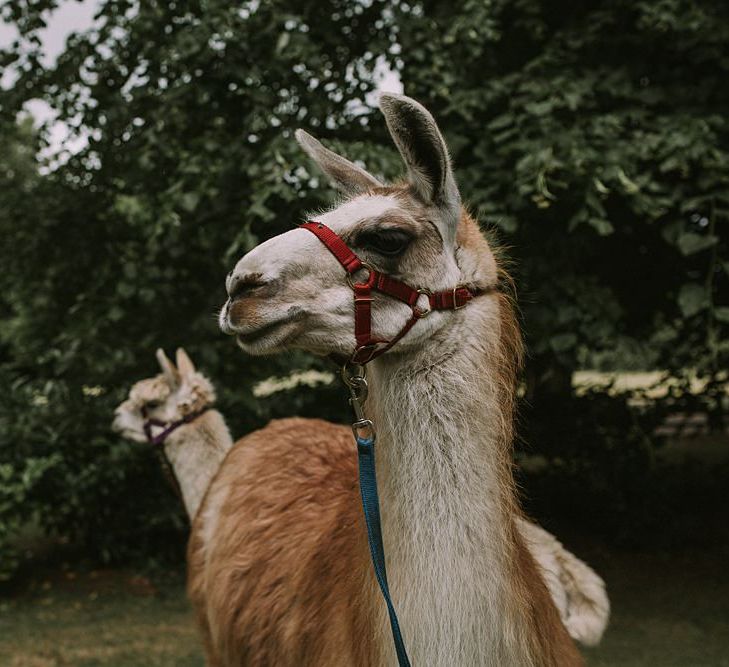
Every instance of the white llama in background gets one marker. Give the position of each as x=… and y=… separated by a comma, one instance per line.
x=195, y=449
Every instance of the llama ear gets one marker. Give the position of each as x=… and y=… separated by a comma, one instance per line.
x=344, y=175
x=184, y=363
x=424, y=151
x=168, y=368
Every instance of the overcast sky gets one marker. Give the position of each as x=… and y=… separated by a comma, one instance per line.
x=70, y=16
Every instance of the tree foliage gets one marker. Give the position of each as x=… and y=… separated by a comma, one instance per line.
x=593, y=137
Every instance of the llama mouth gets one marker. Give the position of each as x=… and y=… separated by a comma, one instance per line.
x=255, y=336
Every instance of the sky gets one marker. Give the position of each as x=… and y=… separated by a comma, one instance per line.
x=77, y=16
x=70, y=16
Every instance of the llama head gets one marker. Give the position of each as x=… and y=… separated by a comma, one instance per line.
x=176, y=392
x=291, y=292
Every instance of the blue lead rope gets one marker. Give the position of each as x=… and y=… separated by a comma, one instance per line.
x=371, y=506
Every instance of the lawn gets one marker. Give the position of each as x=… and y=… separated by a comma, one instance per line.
x=668, y=611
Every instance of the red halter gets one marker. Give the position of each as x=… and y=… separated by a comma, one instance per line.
x=369, y=347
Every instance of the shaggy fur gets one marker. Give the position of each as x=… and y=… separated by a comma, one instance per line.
x=577, y=591
x=467, y=589
x=196, y=452
x=284, y=579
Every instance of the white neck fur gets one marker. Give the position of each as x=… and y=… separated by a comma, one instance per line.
x=195, y=452
x=447, y=498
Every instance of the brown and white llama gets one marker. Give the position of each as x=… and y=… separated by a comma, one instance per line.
x=197, y=451
x=194, y=449
x=279, y=563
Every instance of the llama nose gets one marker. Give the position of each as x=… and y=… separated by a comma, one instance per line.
x=239, y=284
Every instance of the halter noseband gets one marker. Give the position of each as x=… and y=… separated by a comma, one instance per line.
x=167, y=427
x=368, y=346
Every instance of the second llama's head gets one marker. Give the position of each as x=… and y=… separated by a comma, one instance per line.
x=178, y=391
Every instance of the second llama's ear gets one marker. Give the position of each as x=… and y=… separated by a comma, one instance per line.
x=344, y=175
x=168, y=368
x=184, y=363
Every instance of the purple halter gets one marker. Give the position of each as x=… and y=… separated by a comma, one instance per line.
x=167, y=427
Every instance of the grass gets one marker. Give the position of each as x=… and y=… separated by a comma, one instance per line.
x=99, y=618
x=669, y=610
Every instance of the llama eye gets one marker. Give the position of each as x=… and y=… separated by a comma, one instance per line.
x=386, y=242
x=153, y=404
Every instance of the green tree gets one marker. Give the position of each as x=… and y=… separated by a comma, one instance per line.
x=593, y=137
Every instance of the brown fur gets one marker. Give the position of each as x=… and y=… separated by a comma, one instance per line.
x=551, y=644
x=550, y=641
x=244, y=310
x=286, y=579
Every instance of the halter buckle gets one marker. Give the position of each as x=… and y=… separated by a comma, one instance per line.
x=455, y=302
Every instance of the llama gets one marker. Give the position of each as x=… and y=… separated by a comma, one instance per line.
x=279, y=563
x=577, y=591
x=193, y=449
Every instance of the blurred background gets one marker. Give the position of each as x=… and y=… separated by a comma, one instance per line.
x=146, y=146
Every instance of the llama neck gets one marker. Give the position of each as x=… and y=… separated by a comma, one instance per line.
x=443, y=418
x=195, y=452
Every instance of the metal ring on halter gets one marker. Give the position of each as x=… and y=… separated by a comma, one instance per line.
x=357, y=354
x=420, y=314
x=353, y=374
x=370, y=274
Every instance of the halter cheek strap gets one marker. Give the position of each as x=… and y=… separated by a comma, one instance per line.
x=167, y=427
x=368, y=346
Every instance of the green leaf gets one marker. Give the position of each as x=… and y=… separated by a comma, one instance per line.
x=189, y=201
x=282, y=42
x=721, y=313
x=690, y=242
x=500, y=122
x=540, y=108
x=601, y=226
x=630, y=186
x=692, y=299
x=600, y=186
x=563, y=342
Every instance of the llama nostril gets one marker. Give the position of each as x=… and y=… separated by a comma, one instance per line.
x=241, y=284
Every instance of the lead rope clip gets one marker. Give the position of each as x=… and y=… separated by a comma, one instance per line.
x=355, y=379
